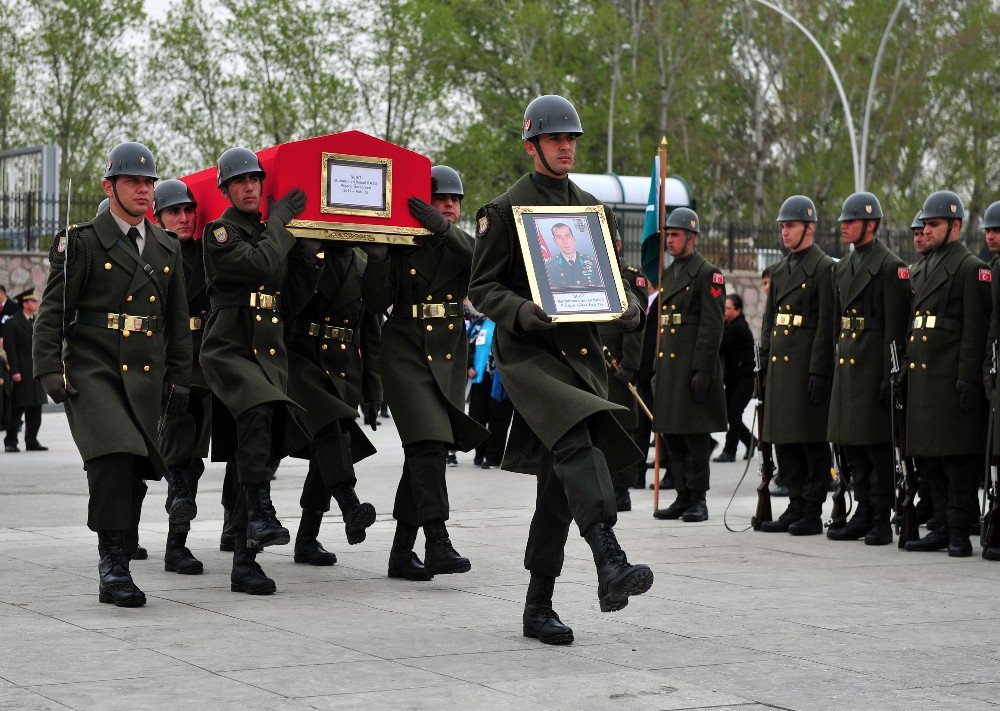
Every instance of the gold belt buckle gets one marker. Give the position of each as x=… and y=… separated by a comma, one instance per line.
x=334, y=333
x=665, y=320
x=197, y=323
x=918, y=322
x=845, y=323
x=113, y=321
x=783, y=320
x=797, y=320
x=676, y=319
x=133, y=323
x=434, y=311
x=859, y=323
x=314, y=329
x=930, y=322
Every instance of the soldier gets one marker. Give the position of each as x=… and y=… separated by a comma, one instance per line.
x=690, y=399
x=113, y=320
x=251, y=268
x=796, y=346
x=946, y=407
x=570, y=268
x=184, y=437
x=872, y=302
x=28, y=395
x=564, y=430
x=991, y=225
x=425, y=379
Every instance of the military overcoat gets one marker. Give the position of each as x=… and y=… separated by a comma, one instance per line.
x=192, y=254
x=993, y=335
x=947, y=343
x=17, y=333
x=626, y=350
x=691, y=324
x=118, y=372
x=555, y=378
x=872, y=310
x=796, y=341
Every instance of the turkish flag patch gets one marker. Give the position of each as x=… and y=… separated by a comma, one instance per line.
x=640, y=281
x=716, y=292
x=985, y=275
x=717, y=278
x=903, y=272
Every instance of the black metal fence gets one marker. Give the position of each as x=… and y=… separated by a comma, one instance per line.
x=29, y=220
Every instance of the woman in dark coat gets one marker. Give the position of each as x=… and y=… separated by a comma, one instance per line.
x=737, y=362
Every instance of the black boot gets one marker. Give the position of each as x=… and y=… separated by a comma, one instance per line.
x=307, y=548
x=616, y=578
x=540, y=621
x=247, y=576
x=959, y=546
x=177, y=558
x=676, y=509
x=936, y=540
x=403, y=562
x=991, y=553
x=226, y=539
x=132, y=547
x=180, y=506
x=881, y=531
x=116, y=584
x=725, y=456
x=789, y=516
x=810, y=523
x=698, y=510
x=623, y=501
x=357, y=516
x=440, y=557
x=860, y=523
x=263, y=527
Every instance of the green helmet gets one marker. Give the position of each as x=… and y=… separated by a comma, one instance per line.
x=991, y=218
x=683, y=218
x=130, y=159
x=550, y=114
x=446, y=181
x=943, y=203
x=171, y=192
x=105, y=204
x=238, y=161
x=797, y=208
x=861, y=206
x=918, y=221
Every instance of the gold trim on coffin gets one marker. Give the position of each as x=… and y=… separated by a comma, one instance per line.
x=325, y=207
x=346, y=232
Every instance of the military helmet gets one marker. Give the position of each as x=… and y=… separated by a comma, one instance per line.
x=550, y=114
x=105, y=204
x=797, y=208
x=130, y=159
x=918, y=221
x=991, y=218
x=861, y=206
x=171, y=192
x=238, y=161
x=683, y=218
x=943, y=203
x=446, y=181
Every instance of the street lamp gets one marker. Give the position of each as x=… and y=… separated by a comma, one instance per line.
x=616, y=78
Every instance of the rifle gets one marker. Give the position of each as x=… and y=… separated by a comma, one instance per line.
x=907, y=528
x=612, y=363
x=989, y=536
x=763, y=512
x=838, y=516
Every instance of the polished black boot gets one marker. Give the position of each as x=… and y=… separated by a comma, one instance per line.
x=810, y=523
x=881, y=530
x=247, y=576
x=357, y=516
x=403, y=562
x=623, y=501
x=959, y=545
x=132, y=547
x=936, y=540
x=859, y=524
x=540, y=621
x=698, y=510
x=440, y=557
x=263, y=527
x=789, y=516
x=177, y=558
x=991, y=553
x=181, y=508
x=116, y=584
x=616, y=578
x=307, y=548
x=226, y=539
x=676, y=509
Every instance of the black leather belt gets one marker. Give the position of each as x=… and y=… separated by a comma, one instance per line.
x=794, y=320
x=448, y=309
x=333, y=333
x=860, y=323
x=119, y=322
x=254, y=300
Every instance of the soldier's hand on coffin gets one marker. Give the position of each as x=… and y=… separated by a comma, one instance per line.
x=817, y=388
x=625, y=375
x=628, y=321
x=285, y=209
x=699, y=386
x=369, y=411
x=376, y=251
x=884, y=396
x=966, y=394
x=310, y=247
x=428, y=216
x=56, y=388
x=175, y=399
x=532, y=317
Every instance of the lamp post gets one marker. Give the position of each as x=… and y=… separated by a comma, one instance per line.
x=866, y=123
x=616, y=78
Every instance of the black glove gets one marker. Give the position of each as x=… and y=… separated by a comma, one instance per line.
x=369, y=411
x=625, y=375
x=175, y=399
x=628, y=321
x=966, y=394
x=428, y=216
x=699, y=386
x=883, y=395
x=531, y=317
x=285, y=209
x=989, y=383
x=375, y=250
x=817, y=388
x=55, y=388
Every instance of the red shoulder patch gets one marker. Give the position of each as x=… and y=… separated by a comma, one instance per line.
x=903, y=272
x=716, y=292
x=985, y=275
x=640, y=281
x=717, y=278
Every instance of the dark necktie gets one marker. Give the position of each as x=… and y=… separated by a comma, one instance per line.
x=133, y=235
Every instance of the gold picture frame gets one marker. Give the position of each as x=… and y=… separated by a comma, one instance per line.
x=361, y=161
x=587, y=284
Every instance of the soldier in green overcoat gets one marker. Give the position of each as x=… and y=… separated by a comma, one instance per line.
x=251, y=269
x=564, y=430
x=690, y=395
x=796, y=347
x=991, y=226
x=872, y=308
x=946, y=406
x=424, y=377
x=112, y=341
x=28, y=395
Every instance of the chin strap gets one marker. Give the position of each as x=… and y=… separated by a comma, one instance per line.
x=541, y=155
x=114, y=189
x=805, y=226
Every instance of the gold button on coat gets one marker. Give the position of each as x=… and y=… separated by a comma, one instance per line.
x=107, y=265
x=152, y=299
x=413, y=272
x=430, y=358
x=274, y=319
x=124, y=368
x=583, y=351
x=126, y=334
x=145, y=368
x=166, y=270
x=447, y=356
x=272, y=351
x=129, y=298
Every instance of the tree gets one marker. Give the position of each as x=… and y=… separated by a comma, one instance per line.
x=12, y=49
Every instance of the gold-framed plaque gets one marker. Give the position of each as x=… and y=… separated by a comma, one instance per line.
x=570, y=259
x=356, y=185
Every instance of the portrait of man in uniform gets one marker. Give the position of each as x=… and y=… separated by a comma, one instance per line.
x=571, y=268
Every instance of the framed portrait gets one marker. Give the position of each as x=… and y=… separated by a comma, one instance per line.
x=570, y=258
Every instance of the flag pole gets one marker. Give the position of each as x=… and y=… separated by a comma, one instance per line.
x=660, y=220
